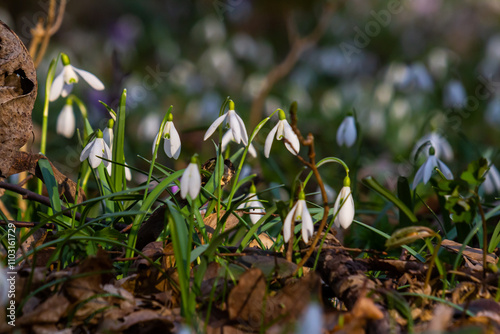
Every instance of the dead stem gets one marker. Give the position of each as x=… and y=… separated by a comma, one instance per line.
x=309, y=142
x=42, y=32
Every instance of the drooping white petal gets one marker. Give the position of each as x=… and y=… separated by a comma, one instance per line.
x=252, y=151
x=86, y=151
x=307, y=223
x=69, y=75
x=108, y=137
x=419, y=177
x=172, y=144
x=214, y=126
x=226, y=138
x=128, y=173
x=445, y=170
x=191, y=181
x=287, y=226
x=96, y=152
x=57, y=86
x=340, y=133
x=346, y=134
x=66, y=122
x=269, y=141
x=430, y=164
x=234, y=125
x=243, y=130
x=292, y=144
x=256, y=208
x=91, y=79
x=66, y=90
x=344, y=208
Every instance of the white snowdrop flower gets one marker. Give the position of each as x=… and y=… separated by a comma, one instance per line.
x=491, y=183
x=252, y=202
x=280, y=131
x=421, y=77
x=63, y=83
x=96, y=149
x=66, y=120
x=344, y=206
x=299, y=213
x=454, y=95
x=228, y=136
x=234, y=122
x=346, y=134
x=191, y=180
x=311, y=322
x=172, y=140
x=441, y=146
x=108, y=135
x=425, y=171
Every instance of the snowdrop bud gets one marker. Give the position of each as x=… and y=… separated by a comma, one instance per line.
x=66, y=120
x=65, y=59
x=346, y=134
x=344, y=206
x=108, y=135
x=191, y=180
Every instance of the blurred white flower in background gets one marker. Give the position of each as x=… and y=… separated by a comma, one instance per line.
x=492, y=114
x=425, y=171
x=346, y=133
x=454, y=95
x=441, y=146
x=311, y=321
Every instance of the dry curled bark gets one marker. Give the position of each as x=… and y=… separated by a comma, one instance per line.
x=348, y=281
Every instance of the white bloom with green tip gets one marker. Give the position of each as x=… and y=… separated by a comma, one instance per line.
x=63, y=83
x=425, y=171
x=234, y=122
x=66, y=120
x=191, y=180
x=299, y=213
x=280, y=131
x=172, y=140
x=96, y=149
x=254, y=205
x=108, y=135
x=344, y=206
x=347, y=134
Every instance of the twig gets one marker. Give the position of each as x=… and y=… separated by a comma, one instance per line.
x=42, y=32
x=298, y=46
x=30, y=195
x=312, y=165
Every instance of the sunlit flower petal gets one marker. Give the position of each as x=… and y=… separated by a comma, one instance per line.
x=282, y=130
x=91, y=79
x=344, y=208
x=191, y=181
x=269, y=141
x=172, y=144
x=299, y=213
x=94, y=150
x=57, y=87
x=66, y=121
x=292, y=142
x=214, y=126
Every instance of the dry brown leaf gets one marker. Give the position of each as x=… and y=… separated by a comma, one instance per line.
x=143, y=321
x=474, y=255
x=245, y=300
x=18, y=88
x=49, y=312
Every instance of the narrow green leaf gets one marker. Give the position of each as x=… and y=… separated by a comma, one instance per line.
x=50, y=183
x=118, y=169
x=371, y=183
